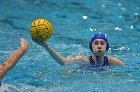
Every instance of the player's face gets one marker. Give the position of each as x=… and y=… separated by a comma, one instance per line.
x=99, y=47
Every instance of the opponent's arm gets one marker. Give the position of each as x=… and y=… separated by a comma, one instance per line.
x=13, y=59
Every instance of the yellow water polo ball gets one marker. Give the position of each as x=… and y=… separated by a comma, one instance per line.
x=41, y=29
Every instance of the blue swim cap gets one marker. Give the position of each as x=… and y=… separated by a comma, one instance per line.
x=98, y=36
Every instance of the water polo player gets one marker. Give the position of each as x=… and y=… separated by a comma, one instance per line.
x=98, y=45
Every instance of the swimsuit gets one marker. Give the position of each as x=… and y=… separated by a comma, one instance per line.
x=105, y=61
x=95, y=67
x=0, y=82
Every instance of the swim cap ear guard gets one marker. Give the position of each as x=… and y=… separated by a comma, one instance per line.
x=99, y=36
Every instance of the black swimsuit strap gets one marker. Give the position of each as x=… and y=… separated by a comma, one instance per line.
x=0, y=82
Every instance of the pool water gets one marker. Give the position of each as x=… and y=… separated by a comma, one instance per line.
x=74, y=22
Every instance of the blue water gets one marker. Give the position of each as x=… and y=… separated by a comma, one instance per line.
x=74, y=22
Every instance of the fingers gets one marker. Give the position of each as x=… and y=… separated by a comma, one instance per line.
x=38, y=41
x=24, y=44
x=23, y=40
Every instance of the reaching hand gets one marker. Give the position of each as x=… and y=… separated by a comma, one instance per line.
x=37, y=41
x=42, y=43
x=24, y=44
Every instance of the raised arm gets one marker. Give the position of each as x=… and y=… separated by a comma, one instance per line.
x=13, y=58
x=60, y=59
x=56, y=56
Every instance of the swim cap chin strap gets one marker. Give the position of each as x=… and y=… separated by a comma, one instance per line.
x=98, y=36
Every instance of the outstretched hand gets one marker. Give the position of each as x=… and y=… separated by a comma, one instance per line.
x=24, y=44
x=42, y=43
x=37, y=41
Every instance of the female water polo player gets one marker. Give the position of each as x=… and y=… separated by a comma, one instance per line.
x=13, y=59
x=98, y=45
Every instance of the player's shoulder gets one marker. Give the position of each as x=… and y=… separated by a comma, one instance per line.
x=114, y=61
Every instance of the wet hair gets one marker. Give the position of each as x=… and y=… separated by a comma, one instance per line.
x=98, y=36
